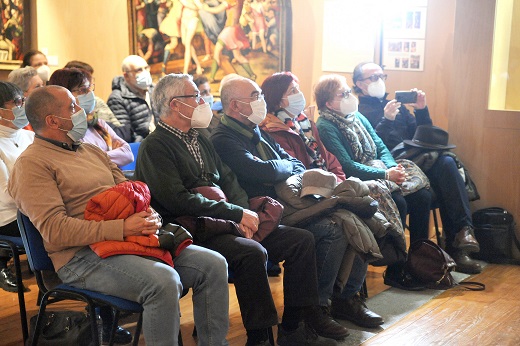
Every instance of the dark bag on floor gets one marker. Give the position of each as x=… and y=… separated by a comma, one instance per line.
x=68, y=328
x=499, y=239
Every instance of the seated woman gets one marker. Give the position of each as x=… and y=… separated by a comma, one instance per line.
x=13, y=141
x=26, y=78
x=298, y=136
x=348, y=135
x=99, y=133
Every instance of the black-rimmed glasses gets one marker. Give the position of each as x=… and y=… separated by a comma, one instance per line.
x=83, y=90
x=345, y=94
x=196, y=96
x=19, y=101
x=255, y=97
x=375, y=77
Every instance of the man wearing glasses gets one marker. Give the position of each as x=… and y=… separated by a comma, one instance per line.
x=130, y=99
x=177, y=164
x=394, y=123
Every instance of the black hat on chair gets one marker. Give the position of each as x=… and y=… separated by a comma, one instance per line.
x=430, y=137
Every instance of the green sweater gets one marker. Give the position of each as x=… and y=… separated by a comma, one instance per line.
x=337, y=144
x=170, y=171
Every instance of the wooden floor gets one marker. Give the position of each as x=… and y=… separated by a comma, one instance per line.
x=453, y=318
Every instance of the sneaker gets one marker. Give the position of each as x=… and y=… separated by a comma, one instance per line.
x=302, y=336
x=355, y=311
x=320, y=319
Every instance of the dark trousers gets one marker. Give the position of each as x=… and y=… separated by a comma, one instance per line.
x=418, y=205
x=11, y=229
x=247, y=259
x=451, y=196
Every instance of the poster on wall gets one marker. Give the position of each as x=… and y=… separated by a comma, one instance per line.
x=404, y=33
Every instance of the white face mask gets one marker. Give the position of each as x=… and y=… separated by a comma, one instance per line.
x=144, y=80
x=201, y=116
x=87, y=102
x=259, y=111
x=44, y=72
x=79, y=125
x=296, y=104
x=377, y=89
x=348, y=105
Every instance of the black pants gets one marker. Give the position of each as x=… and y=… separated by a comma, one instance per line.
x=418, y=205
x=247, y=259
x=11, y=229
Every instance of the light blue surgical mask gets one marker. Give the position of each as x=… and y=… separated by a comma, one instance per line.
x=79, y=125
x=20, y=119
x=87, y=102
x=144, y=80
x=209, y=100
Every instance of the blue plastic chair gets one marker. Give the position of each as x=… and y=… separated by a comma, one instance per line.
x=39, y=261
x=135, y=150
x=15, y=245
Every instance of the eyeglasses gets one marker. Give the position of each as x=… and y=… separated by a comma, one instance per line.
x=140, y=69
x=83, y=90
x=375, y=77
x=196, y=96
x=345, y=94
x=19, y=101
x=255, y=97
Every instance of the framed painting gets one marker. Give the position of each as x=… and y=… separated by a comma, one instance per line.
x=249, y=37
x=15, y=33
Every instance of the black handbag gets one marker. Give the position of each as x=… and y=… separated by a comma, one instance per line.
x=63, y=328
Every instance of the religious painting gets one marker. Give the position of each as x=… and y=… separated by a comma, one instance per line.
x=14, y=36
x=212, y=37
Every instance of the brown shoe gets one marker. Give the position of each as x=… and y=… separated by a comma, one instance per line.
x=466, y=264
x=465, y=240
x=320, y=319
x=355, y=311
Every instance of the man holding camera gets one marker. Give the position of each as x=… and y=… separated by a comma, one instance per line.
x=394, y=123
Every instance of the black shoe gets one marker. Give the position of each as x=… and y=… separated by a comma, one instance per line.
x=302, y=336
x=465, y=240
x=397, y=276
x=121, y=337
x=355, y=311
x=320, y=319
x=466, y=264
x=8, y=280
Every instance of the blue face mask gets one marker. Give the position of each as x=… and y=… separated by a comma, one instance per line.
x=87, y=102
x=208, y=100
x=79, y=125
x=20, y=119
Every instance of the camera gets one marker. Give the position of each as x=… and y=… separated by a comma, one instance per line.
x=406, y=96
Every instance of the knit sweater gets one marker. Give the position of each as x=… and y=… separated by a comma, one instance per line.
x=338, y=145
x=170, y=171
x=12, y=144
x=52, y=186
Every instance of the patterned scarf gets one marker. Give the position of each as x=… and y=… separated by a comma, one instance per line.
x=302, y=126
x=264, y=149
x=362, y=145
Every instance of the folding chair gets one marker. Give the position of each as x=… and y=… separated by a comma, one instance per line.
x=15, y=245
x=39, y=261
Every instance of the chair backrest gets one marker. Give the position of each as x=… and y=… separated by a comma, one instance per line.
x=37, y=256
x=135, y=150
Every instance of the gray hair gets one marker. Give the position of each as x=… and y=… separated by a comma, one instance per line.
x=229, y=88
x=21, y=77
x=169, y=86
x=130, y=61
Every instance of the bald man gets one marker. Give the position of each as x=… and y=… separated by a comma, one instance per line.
x=51, y=183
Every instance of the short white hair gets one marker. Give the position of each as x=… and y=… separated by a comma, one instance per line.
x=21, y=77
x=169, y=86
x=230, y=87
x=132, y=60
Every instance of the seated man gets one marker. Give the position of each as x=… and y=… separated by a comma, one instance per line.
x=130, y=99
x=259, y=163
x=173, y=161
x=49, y=185
x=394, y=123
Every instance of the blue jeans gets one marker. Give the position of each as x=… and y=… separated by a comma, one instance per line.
x=331, y=245
x=451, y=194
x=158, y=287
x=356, y=278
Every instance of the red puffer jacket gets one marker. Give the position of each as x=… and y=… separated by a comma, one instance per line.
x=119, y=202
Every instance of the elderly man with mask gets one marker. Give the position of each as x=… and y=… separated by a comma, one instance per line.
x=259, y=163
x=178, y=164
x=394, y=123
x=50, y=185
x=130, y=99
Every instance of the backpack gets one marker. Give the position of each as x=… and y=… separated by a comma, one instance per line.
x=499, y=239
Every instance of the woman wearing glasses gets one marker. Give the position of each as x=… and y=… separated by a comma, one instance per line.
x=348, y=135
x=13, y=141
x=99, y=133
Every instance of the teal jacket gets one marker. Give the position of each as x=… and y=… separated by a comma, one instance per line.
x=337, y=144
